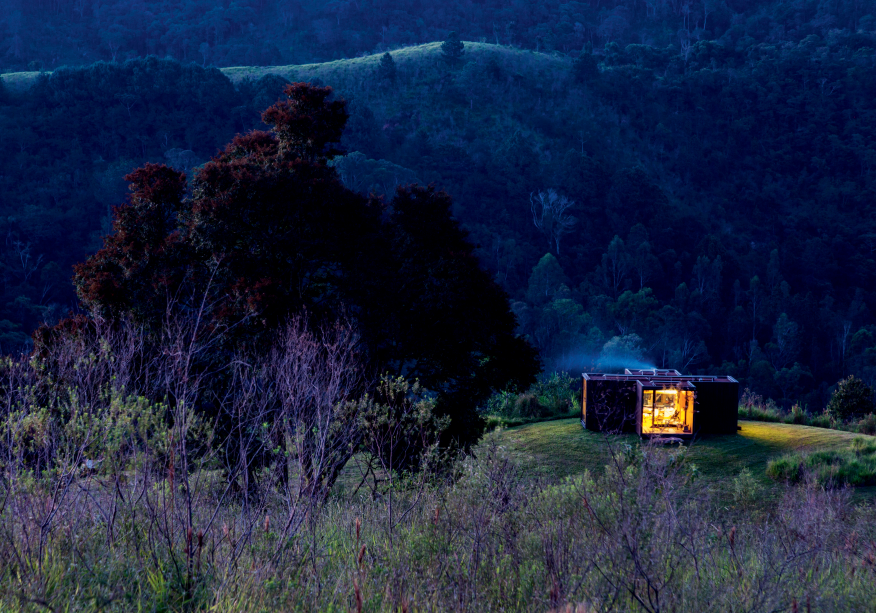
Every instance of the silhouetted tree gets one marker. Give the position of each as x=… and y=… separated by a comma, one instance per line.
x=584, y=68
x=452, y=49
x=387, y=71
x=270, y=231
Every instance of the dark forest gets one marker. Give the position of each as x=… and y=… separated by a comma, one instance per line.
x=686, y=185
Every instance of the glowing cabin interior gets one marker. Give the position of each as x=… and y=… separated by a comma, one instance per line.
x=667, y=411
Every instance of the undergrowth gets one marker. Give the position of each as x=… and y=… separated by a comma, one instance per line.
x=754, y=407
x=855, y=466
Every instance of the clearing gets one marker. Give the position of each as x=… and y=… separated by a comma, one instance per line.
x=561, y=448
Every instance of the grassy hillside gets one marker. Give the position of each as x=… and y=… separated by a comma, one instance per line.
x=560, y=448
x=349, y=73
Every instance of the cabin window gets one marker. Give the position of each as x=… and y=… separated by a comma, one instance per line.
x=667, y=411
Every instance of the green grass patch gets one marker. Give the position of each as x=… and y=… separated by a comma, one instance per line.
x=562, y=448
x=495, y=422
x=855, y=466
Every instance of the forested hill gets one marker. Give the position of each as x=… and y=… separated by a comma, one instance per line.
x=45, y=34
x=723, y=197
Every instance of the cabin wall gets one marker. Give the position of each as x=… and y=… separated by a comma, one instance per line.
x=717, y=407
x=611, y=406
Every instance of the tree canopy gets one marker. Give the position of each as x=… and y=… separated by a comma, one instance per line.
x=270, y=231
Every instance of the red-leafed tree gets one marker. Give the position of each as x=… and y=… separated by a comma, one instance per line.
x=270, y=231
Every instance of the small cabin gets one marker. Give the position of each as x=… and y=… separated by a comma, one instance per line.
x=660, y=403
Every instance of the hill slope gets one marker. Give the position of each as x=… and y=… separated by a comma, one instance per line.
x=723, y=198
x=346, y=73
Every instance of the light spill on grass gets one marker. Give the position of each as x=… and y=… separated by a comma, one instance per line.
x=561, y=448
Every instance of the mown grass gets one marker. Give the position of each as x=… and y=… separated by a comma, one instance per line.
x=563, y=448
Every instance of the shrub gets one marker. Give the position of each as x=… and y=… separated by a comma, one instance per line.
x=555, y=393
x=754, y=407
x=786, y=468
x=823, y=420
x=867, y=425
x=400, y=430
x=527, y=405
x=855, y=466
x=745, y=490
x=770, y=414
x=501, y=403
x=852, y=399
x=799, y=415
x=552, y=396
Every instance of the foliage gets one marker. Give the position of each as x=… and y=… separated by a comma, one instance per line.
x=127, y=466
x=855, y=466
x=556, y=543
x=452, y=49
x=91, y=127
x=852, y=399
x=387, y=70
x=585, y=68
x=745, y=490
x=270, y=231
x=399, y=427
x=551, y=396
x=557, y=393
x=755, y=408
x=867, y=425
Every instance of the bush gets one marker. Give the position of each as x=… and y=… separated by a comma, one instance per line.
x=770, y=414
x=852, y=399
x=527, y=405
x=753, y=406
x=552, y=396
x=501, y=403
x=555, y=393
x=823, y=420
x=745, y=490
x=399, y=427
x=867, y=425
x=855, y=466
x=799, y=415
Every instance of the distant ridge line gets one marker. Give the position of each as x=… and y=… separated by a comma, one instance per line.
x=19, y=82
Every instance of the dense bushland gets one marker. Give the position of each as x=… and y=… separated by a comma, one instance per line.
x=110, y=501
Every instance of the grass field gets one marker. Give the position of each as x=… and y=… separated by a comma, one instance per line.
x=561, y=448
